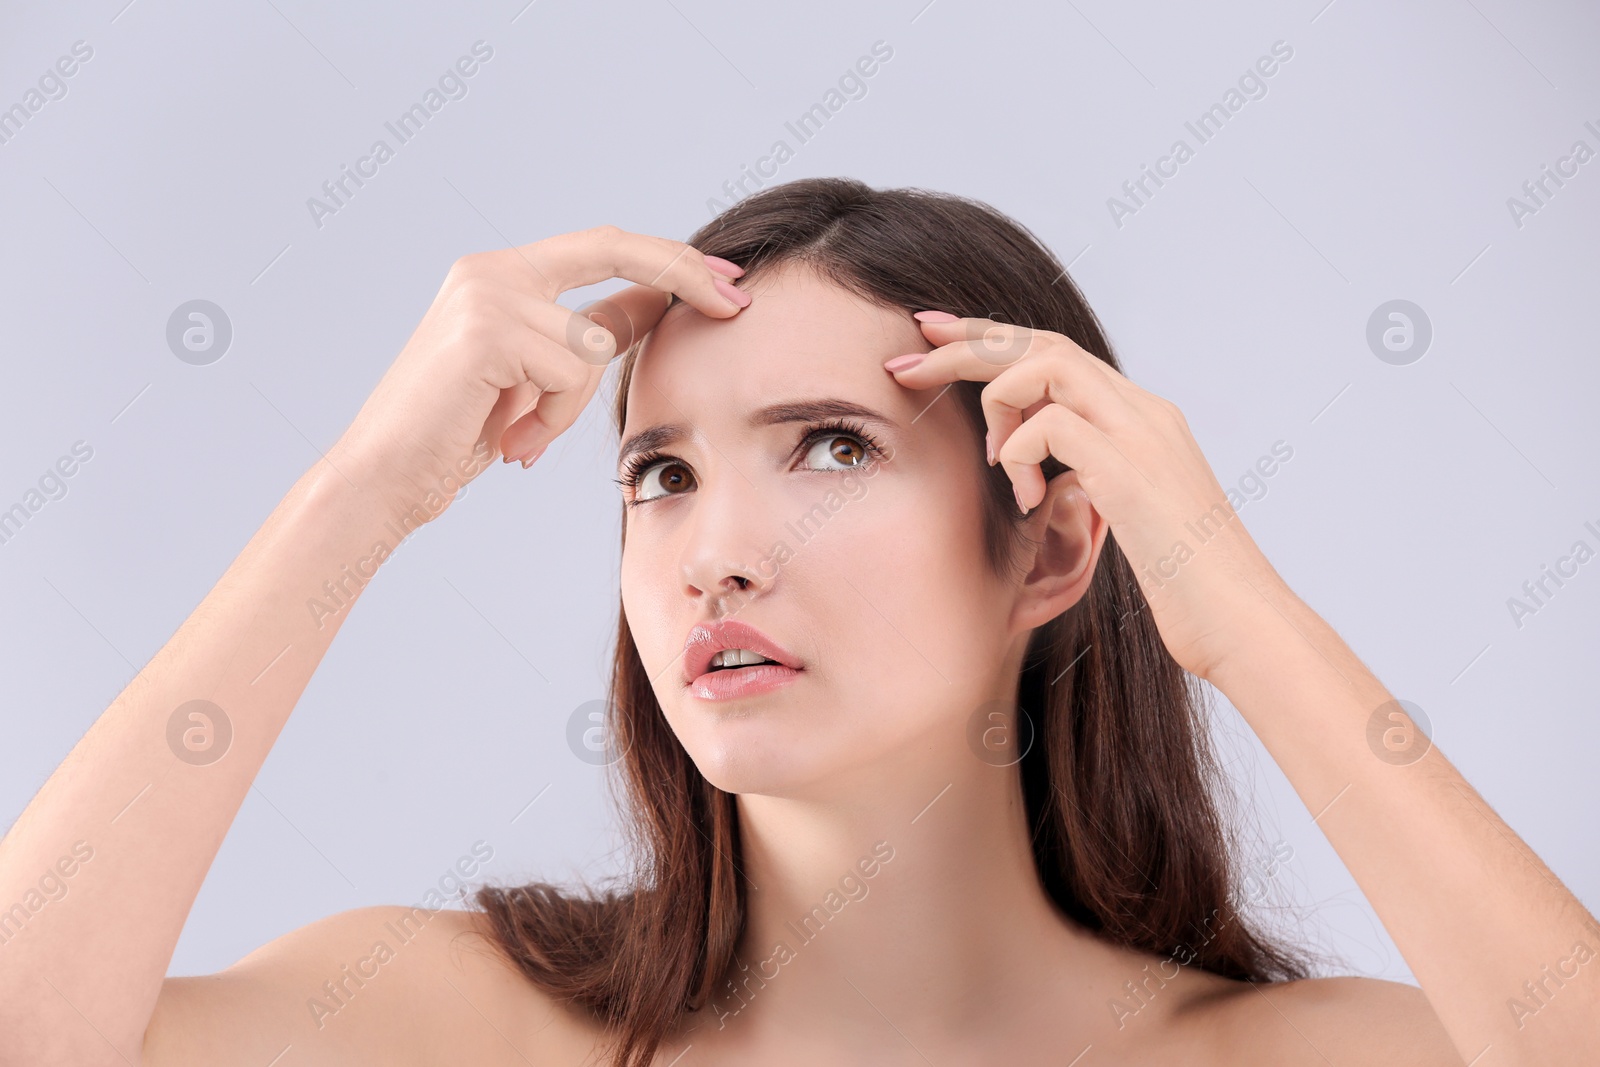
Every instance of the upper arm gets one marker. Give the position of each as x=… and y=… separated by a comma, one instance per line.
x=385, y=984
x=1343, y=1020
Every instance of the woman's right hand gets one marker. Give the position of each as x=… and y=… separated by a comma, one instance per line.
x=84, y=981
x=498, y=367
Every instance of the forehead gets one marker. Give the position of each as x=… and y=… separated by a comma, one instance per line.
x=801, y=337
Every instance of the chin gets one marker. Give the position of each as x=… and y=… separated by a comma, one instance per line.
x=761, y=759
x=743, y=752
x=766, y=751
x=752, y=781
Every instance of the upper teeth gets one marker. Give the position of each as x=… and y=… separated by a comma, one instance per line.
x=737, y=657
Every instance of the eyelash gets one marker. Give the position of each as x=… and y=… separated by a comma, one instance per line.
x=638, y=463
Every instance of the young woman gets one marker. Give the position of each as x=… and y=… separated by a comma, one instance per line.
x=915, y=591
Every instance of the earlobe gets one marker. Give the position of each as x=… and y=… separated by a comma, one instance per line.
x=1067, y=534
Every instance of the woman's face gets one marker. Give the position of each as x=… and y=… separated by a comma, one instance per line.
x=867, y=566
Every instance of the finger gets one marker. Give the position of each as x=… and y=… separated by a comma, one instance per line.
x=527, y=367
x=594, y=333
x=559, y=384
x=968, y=349
x=602, y=329
x=1059, y=374
x=637, y=309
x=1060, y=432
x=1022, y=366
x=508, y=407
x=984, y=348
x=597, y=333
x=552, y=413
x=570, y=260
x=972, y=349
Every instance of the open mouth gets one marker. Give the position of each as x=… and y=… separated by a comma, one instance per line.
x=739, y=674
x=730, y=660
x=733, y=659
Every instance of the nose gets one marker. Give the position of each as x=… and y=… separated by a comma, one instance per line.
x=725, y=562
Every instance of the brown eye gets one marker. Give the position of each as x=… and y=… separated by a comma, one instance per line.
x=846, y=451
x=663, y=479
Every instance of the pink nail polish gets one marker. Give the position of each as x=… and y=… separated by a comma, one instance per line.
x=1018, y=494
x=722, y=266
x=935, y=316
x=905, y=362
x=528, y=458
x=740, y=298
x=988, y=445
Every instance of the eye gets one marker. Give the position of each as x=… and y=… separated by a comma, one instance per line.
x=663, y=479
x=844, y=449
x=830, y=447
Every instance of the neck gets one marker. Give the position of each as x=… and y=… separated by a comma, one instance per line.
x=907, y=893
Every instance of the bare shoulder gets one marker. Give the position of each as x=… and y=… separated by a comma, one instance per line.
x=1338, y=1020
x=389, y=984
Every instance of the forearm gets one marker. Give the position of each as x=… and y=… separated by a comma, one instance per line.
x=1473, y=910
x=148, y=794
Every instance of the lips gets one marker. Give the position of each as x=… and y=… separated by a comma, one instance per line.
x=707, y=639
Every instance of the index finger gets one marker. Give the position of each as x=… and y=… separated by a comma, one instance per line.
x=584, y=257
x=974, y=349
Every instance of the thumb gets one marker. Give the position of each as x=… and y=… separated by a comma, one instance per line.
x=623, y=318
x=627, y=315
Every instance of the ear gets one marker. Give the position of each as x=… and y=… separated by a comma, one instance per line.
x=1066, y=533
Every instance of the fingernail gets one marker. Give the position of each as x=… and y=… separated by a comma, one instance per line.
x=935, y=316
x=529, y=457
x=988, y=445
x=722, y=266
x=1018, y=494
x=905, y=362
x=737, y=297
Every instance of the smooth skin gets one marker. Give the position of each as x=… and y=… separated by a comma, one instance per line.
x=953, y=944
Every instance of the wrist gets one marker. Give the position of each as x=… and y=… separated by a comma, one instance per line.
x=339, y=498
x=1262, y=630
x=403, y=484
x=1285, y=647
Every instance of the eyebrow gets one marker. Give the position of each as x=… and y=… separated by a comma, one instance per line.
x=818, y=410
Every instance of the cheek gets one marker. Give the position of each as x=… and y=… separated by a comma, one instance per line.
x=902, y=574
x=645, y=600
x=833, y=535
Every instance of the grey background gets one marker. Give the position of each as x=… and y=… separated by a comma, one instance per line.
x=1377, y=166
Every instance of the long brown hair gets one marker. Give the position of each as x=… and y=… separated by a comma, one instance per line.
x=1127, y=836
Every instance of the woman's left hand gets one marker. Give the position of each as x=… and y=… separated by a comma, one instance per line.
x=1135, y=459
x=1471, y=906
